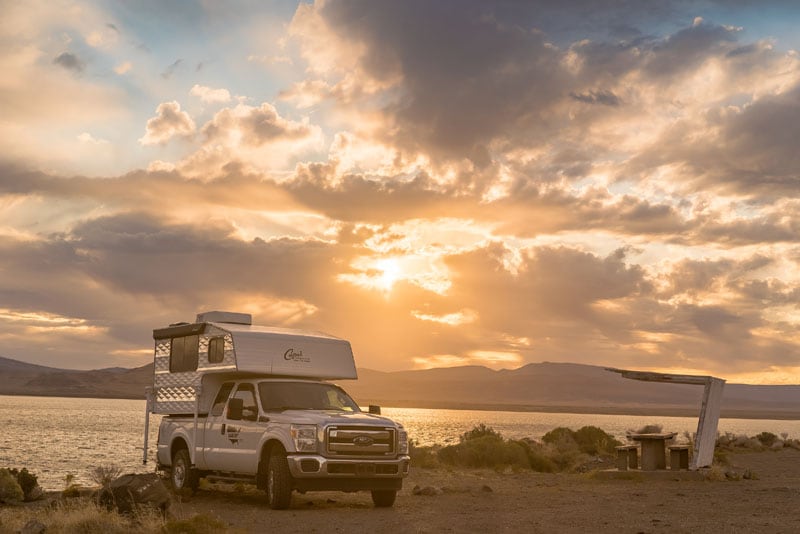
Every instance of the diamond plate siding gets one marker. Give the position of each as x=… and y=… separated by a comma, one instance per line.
x=176, y=393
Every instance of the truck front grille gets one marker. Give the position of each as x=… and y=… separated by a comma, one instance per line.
x=360, y=441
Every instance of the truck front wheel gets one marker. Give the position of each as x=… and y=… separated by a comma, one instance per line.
x=279, y=481
x=383, y=498
x=184, y=479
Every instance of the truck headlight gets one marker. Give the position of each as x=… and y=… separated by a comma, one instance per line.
x=305, y=438
x=402, y=441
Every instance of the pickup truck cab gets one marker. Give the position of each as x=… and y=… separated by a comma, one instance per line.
x=285, y=432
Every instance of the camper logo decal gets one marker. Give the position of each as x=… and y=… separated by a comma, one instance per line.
x=296, y=356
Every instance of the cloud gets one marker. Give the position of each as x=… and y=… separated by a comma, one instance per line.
x=88, y=138
x=606, y=98
x=170, y=70
x=70, y=61
x=250, y=138
x=209, y=95
x=253, y=125
x=169, y=122
x=103, y=38
x=123, y=68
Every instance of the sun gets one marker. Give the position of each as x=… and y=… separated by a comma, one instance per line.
x=389, y=272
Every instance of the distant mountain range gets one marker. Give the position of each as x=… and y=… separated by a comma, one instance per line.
x=19, y=378
x=560, y=387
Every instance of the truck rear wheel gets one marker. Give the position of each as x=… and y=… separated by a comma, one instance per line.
x=383, y=498
x=185, y=480
x=279, y=481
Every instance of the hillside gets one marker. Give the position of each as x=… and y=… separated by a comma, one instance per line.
x=537, y=387
x=18, y=378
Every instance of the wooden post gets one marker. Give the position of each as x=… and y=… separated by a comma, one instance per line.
x=707, y=424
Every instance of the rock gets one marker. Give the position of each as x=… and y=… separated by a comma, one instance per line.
x=33, y=527
x=34, y=494
x=128, y=492
x=427, y=490
x=486, y=489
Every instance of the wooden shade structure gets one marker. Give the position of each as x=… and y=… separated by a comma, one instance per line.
x=709, y=410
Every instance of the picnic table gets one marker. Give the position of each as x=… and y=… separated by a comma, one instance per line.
x=653, y=449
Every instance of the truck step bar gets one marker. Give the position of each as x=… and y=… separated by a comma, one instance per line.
x=230, y=478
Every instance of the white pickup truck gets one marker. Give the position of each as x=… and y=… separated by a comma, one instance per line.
x=251, y=404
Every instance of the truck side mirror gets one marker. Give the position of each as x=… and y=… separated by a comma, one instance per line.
x=235, y=406
x=374, y=409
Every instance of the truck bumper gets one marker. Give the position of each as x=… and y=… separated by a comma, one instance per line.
x=311, y=471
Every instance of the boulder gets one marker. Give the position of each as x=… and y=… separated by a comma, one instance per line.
x=34, y=526
x=129, y=492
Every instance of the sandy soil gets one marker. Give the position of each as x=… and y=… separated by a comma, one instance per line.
x=485, y=501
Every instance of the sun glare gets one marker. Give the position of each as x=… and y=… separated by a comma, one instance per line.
x=389, y=273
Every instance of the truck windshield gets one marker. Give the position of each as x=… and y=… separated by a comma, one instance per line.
x=279, y=396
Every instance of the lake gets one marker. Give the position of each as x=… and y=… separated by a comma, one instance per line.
x=54, y=437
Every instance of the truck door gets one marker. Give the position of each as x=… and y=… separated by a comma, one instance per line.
x=232, y=441
x=214, y=436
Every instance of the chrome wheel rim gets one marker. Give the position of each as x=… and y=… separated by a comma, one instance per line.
x=178, y=474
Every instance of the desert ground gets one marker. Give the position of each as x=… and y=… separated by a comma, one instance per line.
x=765, y=499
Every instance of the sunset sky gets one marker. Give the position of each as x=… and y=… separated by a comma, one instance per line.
x=442, y=183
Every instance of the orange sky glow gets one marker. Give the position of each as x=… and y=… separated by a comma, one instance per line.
x=441, y=183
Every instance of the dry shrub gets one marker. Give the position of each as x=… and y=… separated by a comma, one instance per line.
x=562, y=450
x=80, y=515
x=104, y=475
x=10, y=490
x=767, y=439
x=27, y=481
x=486, y=450
x=716, y=473
x=425, y=457
x=199, y=524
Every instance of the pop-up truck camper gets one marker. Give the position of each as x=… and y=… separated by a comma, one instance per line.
x=246, y=403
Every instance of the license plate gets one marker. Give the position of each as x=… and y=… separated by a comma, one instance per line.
x=365, y=469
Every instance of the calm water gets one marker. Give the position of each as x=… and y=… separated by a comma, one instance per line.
x=54, y=437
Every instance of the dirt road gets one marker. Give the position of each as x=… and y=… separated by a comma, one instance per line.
x=484, y=501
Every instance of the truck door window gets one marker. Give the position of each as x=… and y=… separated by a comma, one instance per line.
x=222, y=398
x=183, y=354
x=247, y=393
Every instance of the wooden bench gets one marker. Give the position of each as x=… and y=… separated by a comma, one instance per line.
x=678, y=457
x=627, y=457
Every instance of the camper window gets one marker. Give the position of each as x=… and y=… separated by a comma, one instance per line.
x=216, y=350
x=183, y=354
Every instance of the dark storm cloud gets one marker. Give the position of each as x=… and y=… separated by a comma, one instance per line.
x=467, y=78
x=70, y=61
x=170, y=70
x=476, y=80
x=749, y=150
x=606, y=98
x=133, y=252
x=585, y=307
x=683, y=51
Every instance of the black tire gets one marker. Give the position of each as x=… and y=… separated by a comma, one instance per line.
x=279, y=481
x=383, y=498
x=184, y=479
